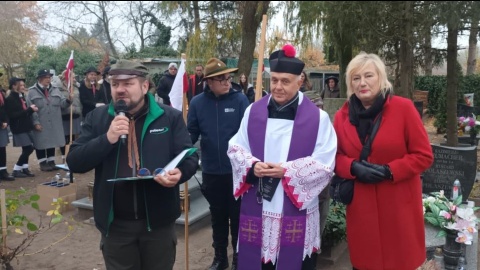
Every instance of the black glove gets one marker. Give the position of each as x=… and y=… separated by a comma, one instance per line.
x=380, y=168
x=251, y=178
x=366, y=174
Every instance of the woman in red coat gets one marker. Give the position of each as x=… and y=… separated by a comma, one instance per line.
x=385, y=227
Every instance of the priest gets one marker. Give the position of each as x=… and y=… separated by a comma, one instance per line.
x=282, y=158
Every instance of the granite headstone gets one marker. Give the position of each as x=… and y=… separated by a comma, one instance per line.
x=419, y=107
x=466, y=111
x=451, y=163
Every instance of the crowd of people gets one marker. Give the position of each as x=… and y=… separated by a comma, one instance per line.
x=46, y=116
x=266, y=164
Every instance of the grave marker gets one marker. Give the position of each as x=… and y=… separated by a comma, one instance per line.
x=451, y=163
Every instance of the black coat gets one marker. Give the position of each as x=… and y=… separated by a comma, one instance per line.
x=165, y=136
x=20, y=119
x=87, y=98
x=164, y=87
x=105, y=95
x=3, y=114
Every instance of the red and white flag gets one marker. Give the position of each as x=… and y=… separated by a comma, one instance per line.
x=179, y=87
x=69, y=66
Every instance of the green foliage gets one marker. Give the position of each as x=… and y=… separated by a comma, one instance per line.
x=52, y=58
x=18, y=222
x=336, y=225
x=151, y=52
x=437, y=87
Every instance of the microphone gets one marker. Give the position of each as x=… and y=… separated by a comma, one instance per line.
x=120, y=108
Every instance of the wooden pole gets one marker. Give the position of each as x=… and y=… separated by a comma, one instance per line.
x=261, y=48
x=4, y=220
x=185, y=187
x=67, y=147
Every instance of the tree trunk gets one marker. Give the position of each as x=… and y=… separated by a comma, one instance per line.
x=452, y=85
x=428, y=53
x=345, y=56
x=196, y=16
x=472, y=46
x=396, y=82
x=105, y=21
x=406, y=53
x=250, y=22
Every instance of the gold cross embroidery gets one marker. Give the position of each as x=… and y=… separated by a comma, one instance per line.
x=252, y=232
x=291, y=232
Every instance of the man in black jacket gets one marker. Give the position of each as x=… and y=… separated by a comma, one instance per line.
x=166, y=82
x=136, y=218
x=215, y=116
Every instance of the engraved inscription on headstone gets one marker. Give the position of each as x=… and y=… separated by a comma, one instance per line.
x=451, y=163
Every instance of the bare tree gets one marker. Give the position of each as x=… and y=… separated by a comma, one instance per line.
x=139, y=17
x=75, y=13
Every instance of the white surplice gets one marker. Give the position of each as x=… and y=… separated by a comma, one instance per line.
x=306, y=177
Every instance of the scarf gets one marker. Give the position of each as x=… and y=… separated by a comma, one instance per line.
x=132, y=138
x=363, y=118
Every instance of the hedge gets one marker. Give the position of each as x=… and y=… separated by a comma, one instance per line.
x=437, y=87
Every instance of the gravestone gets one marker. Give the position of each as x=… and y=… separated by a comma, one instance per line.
x=451, y=163
x=466, y=111
x=419, y=107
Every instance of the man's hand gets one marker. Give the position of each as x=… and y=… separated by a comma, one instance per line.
x=118, y=127
x=38, y=127
x=34, y=107
x=268, y=169
x=4, y=125
x=170, y=179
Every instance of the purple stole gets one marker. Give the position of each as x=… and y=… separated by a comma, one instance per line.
x=293, y=224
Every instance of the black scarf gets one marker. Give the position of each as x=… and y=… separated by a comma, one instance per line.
x=363, y=118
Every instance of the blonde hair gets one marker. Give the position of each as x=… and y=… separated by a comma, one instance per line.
x=359, y=63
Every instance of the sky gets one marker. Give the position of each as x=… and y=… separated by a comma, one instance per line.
x=49, y=38
x=126, y=33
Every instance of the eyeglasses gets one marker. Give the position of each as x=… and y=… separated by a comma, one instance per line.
x=143, y=172
x=224, y=80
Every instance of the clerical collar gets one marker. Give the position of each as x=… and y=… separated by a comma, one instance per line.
x=286, y=111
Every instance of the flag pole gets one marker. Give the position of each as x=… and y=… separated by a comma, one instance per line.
x=67, y=147
x=185, y=189
x=261, y=48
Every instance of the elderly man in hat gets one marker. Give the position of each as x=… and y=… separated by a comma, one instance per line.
x=282, y=156
x=215, y=116
x=135, y=218
x=89, y=91
x=331, y=89
x=48, y=132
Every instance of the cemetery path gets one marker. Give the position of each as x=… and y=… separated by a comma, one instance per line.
x=62, y=249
